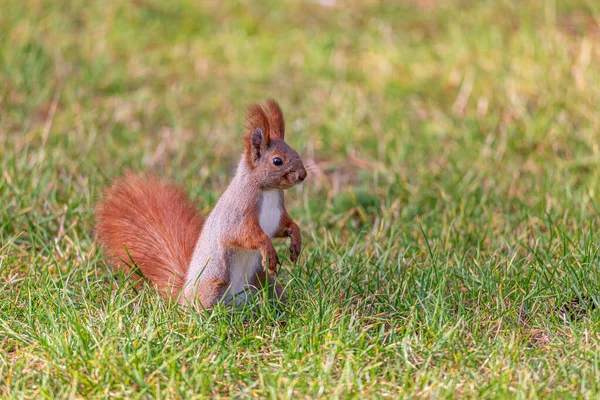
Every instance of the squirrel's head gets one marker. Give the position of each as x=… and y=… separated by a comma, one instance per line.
x=273, y=163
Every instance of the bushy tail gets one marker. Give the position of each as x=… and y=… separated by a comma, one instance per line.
x=155, y=224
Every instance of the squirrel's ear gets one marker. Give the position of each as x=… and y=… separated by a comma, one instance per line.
x=276, y=120
x=257, y=145
x=256, y=138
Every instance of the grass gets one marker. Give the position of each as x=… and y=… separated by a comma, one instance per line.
x=450, y=229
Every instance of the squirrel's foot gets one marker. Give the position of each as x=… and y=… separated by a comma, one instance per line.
x=279, y=293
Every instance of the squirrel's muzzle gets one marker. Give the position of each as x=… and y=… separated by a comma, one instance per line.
x=302, y=175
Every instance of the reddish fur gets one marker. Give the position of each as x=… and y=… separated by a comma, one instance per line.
x=212, y=291
x=269, y=118
x=155, y=222
x=255, y=119
x=156, y=225
x=276, y=121
x=252, y=237
x=288, y=228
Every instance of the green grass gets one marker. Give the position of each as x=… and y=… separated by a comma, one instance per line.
x=451, y=228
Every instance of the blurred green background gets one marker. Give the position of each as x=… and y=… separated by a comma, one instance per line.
x=450, y=217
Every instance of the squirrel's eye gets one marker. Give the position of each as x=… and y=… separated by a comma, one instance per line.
x=277, y=161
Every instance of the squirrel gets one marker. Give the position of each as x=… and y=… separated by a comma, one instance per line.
x=225, y=257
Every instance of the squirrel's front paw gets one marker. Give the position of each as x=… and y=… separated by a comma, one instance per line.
x=294, y=252
x=271, y=257
x=296, y=244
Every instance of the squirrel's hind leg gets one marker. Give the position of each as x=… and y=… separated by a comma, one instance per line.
x=211, y=291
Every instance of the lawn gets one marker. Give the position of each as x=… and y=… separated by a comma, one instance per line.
x=451, y=217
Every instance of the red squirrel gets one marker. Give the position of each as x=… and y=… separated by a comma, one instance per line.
x=225, y=257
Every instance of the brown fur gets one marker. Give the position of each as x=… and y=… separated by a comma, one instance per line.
x=276, y=121
x=264, y=140
x=255, y=119
x=162, y=231
x=267, y=118
x=155, y=223
x=212, y=291
x=250, y=236
x=288, y=228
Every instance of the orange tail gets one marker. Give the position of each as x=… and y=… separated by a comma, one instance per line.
x=155, y=223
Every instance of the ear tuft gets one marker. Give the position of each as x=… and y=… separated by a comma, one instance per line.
x=256, y=121
x=276, y=121
x=256, y=118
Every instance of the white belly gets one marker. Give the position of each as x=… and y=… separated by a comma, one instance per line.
x=270, y=212
x=243, y=267
x=245, y=263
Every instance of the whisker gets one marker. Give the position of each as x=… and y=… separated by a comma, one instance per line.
x=311, y=166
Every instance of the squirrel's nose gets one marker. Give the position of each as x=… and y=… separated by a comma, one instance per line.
x=302, y=175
